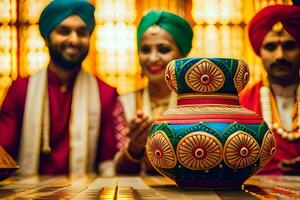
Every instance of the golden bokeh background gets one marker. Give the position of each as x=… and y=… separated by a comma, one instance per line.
x=220, y=30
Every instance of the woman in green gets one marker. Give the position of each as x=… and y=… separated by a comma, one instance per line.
x=161, y=37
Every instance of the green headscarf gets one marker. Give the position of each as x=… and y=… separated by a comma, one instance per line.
x=58, y=10
x=178, y=27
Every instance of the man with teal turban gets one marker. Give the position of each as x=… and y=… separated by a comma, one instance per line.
x=58, y=10
x=161, y=37
x=62, y=120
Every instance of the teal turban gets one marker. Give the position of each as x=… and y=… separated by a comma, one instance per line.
x=58, y=10
x=178, y=27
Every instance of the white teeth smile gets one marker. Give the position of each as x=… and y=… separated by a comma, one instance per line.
x=72, y=50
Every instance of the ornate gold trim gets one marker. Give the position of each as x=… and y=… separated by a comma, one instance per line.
x=199, y=151
x=205, y=95
x=156, y=156
x=268, y=148
x=242, y=75
x=241, y=150
x=204, y=83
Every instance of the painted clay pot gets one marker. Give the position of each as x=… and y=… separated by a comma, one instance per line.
x=209, y=140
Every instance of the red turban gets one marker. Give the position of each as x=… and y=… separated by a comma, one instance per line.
x=265, y=19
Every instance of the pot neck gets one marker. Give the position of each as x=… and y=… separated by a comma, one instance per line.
x=207, y=99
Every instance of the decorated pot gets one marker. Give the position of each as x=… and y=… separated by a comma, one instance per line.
x=209, y=140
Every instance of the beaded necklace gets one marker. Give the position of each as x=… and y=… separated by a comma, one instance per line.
x=266, y=104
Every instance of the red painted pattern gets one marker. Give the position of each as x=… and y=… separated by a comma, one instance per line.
x=189, y=101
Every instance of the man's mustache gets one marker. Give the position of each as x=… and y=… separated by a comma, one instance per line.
x=280, y=62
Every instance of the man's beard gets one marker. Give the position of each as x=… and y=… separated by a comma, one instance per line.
x=58, y=58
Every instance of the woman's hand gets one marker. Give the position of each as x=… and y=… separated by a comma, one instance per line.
x=138, y=130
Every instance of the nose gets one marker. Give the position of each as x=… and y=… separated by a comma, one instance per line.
x=153, y=57
x=73, y=38
x=279, y=52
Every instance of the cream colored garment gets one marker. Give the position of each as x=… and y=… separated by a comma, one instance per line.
x=84, y=123
x=285, y=100
x=129, y=104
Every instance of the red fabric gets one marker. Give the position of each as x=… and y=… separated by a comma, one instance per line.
x=285, y=149
x=264, y=20
x=57, y=162
x=191, y=101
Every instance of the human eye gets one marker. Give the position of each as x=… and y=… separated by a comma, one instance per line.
x=144, y=49
x=289, y=45
x=164, y=49
x=62, y=30
x=270, y=46
x=83, y=32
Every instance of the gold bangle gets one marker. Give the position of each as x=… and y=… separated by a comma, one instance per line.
x=130, y=157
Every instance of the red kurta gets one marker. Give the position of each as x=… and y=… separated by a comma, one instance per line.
x=285, y=149
x=57, y=162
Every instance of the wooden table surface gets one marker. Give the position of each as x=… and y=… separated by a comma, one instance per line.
x=148, y=187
